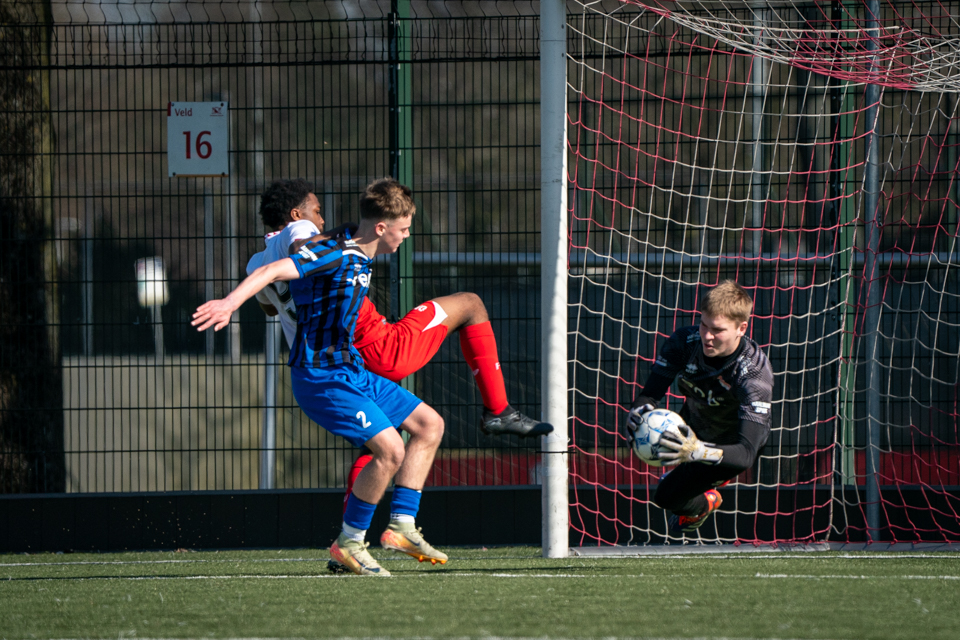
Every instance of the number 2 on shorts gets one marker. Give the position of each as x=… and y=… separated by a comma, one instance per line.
x=363, y=419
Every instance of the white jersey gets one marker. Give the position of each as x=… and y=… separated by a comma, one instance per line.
x=278, y=293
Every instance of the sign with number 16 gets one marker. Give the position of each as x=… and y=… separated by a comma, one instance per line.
x=198, y=135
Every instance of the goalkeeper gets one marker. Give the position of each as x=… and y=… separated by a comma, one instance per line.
x=727, y=383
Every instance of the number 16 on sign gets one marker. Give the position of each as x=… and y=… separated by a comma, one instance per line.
x=198, y=135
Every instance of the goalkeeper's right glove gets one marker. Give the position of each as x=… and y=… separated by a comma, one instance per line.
x=641, y=405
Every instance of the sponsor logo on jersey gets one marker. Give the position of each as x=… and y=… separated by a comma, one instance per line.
x=761, y=407
x=306, y=253
x=661, y=361
x=691, y=389
x=362, y=278
x=694, y=337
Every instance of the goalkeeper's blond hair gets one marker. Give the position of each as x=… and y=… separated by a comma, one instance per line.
x=728, y=299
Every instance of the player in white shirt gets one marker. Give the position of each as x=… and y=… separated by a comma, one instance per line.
x=275, y=299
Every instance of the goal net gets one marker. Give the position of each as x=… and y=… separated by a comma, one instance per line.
x=809, y=151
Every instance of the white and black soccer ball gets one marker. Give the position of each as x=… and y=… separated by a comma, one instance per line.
x=646, y=440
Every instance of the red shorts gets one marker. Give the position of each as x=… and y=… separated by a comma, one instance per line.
x=408, y=344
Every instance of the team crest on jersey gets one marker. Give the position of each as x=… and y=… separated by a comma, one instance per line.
x=743, y=363
x=691, y=368
x=723, y=383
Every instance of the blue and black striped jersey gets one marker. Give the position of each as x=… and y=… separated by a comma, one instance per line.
x=334, y=278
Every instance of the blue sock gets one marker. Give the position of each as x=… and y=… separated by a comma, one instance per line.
x=405, y=502
x=358, y=514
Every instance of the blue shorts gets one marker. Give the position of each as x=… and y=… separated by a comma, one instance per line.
x=351, y=402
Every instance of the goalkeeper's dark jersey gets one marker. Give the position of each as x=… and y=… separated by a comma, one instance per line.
x=718, y=399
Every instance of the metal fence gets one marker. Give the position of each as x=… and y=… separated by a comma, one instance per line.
x=148, y=404
x=99, y=394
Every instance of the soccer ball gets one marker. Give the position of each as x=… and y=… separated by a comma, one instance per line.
x=646, y=441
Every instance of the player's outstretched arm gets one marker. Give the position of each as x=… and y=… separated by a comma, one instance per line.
x=216, y=313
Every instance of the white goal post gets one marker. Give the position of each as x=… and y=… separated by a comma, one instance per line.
x=553, y=171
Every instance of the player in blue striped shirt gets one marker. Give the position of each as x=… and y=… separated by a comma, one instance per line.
x=329, y=280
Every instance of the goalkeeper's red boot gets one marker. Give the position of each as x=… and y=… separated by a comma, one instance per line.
x=689, y=524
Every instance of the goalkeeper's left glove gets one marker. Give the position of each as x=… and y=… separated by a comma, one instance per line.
x=687, y=448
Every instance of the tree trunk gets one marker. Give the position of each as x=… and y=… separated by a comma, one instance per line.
x=31, y=390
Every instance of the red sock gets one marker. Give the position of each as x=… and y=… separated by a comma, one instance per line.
x=355, y=470
x=479, y=348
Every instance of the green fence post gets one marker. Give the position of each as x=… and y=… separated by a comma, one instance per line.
x=842, y=104
x=401, y=153
x=871, y=279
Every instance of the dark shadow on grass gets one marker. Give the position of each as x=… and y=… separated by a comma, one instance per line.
x=163, y=577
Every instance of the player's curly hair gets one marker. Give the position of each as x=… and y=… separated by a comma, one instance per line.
x=728, y=299
x=280, y=198
x=386, y=199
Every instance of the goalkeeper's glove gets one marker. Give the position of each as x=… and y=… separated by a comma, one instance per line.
x=687, y=447
x=641, y=405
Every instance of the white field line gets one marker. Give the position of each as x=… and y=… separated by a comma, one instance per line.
x=739, y=555
x=686, y=556
x=475, y=637
x=469, y=574
x=142, y=562
x=761, y=576
x=788, y=576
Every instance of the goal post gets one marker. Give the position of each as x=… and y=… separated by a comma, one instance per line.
x=553, y=136
x=809, y=151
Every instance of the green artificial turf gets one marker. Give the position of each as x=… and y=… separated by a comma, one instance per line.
x=503, y=592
